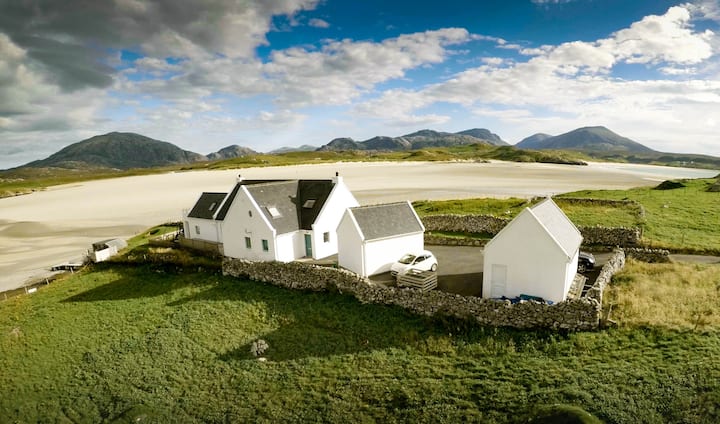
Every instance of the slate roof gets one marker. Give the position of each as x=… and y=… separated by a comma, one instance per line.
x=297, y=202
x=207, y=205
x=557, y=225
x=387, y=220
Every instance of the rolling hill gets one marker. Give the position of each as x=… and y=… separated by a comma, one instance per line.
x=117, y=150
x=586, y=139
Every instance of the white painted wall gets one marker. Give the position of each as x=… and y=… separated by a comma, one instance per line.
x=350, y=245
x=338, y=201
x=209, y=229
x=536, y=266
x=286, y=245
x=239, y=224
x=379, y=255
x=104, y=254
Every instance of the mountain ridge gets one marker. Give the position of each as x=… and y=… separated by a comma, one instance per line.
x=596, y=139
x=417, y=140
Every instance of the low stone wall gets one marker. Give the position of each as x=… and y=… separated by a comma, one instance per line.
x=431, y=239
x=648, y=255
x=602, y=202
x=574, y=315
x=614, y=264
x=488, y=224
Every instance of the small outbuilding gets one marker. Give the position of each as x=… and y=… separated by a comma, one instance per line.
x=103, y=250
x=372, y=238
x=536, y=254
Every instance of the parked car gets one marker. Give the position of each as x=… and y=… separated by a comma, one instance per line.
x=586, y=262
x=423, y=261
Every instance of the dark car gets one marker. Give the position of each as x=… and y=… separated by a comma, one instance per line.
x=586, y=262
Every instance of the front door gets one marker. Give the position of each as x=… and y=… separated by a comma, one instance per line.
x=308, y=245
x=498, y=281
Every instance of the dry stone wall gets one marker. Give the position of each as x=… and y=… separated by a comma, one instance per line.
x=488, y=224
x=614, y=264
x=648, y=255
x=573, y=315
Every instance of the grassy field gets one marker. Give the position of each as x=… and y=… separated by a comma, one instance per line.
x=674, y=296
x=173, y=345
x=685, y=219
x=619, y=215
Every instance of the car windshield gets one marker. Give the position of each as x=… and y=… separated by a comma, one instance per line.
x=407, y=259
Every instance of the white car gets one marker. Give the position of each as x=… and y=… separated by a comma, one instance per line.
x=422, y=261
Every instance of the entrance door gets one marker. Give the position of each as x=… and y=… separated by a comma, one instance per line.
x=308, y=245
x=498, y=281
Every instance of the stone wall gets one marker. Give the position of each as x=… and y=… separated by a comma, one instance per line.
x=491, y=225
x=648, y=255
x=614, y=264
x=574, y=315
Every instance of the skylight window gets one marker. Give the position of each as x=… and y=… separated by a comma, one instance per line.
x=309, y=203
x=272, y=210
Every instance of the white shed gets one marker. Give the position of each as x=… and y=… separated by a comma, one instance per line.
x=371, y=238
x=536, y=254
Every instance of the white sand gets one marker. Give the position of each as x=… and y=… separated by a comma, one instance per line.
x=57, y=225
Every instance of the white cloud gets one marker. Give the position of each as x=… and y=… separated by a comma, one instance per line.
x=342, y=70
x=318, y=23
x=573, y=86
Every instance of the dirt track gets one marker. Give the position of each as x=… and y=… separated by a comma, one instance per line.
x=57, y=225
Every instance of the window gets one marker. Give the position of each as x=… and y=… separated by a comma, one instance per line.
x=212, y=206
x=326, y=237
x=197, y=229
x=265, y=246
x=272, y=210
x=248, y=243
x=309, y=203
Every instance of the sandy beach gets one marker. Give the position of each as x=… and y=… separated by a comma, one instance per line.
x=59, y=224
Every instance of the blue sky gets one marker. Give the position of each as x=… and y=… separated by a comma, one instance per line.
x=271, y=73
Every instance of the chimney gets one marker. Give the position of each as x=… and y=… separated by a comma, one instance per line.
x=337, y=179
x=239, y=178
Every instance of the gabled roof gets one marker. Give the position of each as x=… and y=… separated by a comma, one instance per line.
x=207, y=205
x=553, y=221
x=558, y=225
x=387, y=220
x=289, y=205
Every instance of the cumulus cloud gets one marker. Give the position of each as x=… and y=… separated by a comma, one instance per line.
x=572, y=81
x=342, y=70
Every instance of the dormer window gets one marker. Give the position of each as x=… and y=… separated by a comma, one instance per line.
x=309, y=203
x=272, y=210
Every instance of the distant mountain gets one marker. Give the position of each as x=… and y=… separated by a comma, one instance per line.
x=484, y=134
x=418, y=140
x=118, y=151
x=230, y=152
x=587, y=139
x=303, y=148
x=533, y=141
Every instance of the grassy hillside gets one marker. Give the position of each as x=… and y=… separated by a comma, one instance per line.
x=173, y=345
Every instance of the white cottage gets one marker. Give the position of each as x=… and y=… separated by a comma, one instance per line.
x=373, y=237
x=536, y=254
x=268, y=220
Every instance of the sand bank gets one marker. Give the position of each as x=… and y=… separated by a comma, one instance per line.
x=48, y=227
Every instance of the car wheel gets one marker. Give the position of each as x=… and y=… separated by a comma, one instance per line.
x=433, y=268
x=581, y=267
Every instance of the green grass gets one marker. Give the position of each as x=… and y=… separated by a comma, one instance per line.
x=617, y=215
x=675, y=296
x=683, y=219
x=127, y=342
